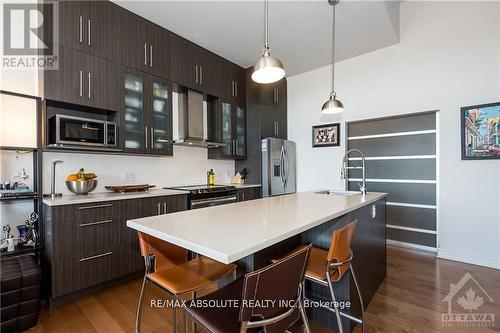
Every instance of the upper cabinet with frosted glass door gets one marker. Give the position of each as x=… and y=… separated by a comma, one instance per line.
x=231, y=129
x=147, y=114
x=160, y=117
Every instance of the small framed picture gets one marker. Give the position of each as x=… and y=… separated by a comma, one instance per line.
x=327, y=135
x=480, y=126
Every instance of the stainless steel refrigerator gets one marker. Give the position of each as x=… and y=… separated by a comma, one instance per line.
x=278, y=167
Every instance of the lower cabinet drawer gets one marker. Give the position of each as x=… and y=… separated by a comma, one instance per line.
x=72, y=275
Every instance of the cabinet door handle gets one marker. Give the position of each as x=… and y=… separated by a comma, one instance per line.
x=196, y=74
x=95, y=223
x=232, y=88
x=277, y=96
x=81, y=29
x=201, y=74
x=150, y=55
x=236, y=88
x=159, y=212
x=152, y=137
x=81, y=83
x=242, y=196
x=89, y=31
x=96, y=256
x=277, y=128
x=95, y=206
x=165, y=207
x=145, y=54
x=146, y=138
x=88, y=76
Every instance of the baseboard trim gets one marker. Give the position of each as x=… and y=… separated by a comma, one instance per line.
x=411, y=246
x=474, y=260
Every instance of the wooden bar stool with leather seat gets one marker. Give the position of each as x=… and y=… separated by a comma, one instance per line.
x=268, y=300
x=167, y=266
x=327, y=267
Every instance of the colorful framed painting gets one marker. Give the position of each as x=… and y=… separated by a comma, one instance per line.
x=327, y=135
x=480, y=131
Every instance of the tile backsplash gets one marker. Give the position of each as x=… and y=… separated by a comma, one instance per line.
x=188, y=166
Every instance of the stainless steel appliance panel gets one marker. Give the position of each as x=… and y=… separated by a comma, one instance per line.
x=278, y=167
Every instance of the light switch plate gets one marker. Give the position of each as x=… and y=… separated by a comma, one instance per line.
x=128, y=176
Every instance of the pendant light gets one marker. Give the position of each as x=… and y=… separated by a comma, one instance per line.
x=268, y=69
x=333, y=105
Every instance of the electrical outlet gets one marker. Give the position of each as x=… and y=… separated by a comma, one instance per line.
x=128, y=176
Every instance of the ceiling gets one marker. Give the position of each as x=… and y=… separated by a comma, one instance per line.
x=300, y=31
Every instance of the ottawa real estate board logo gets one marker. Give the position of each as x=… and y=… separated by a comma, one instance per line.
x=466, y=300
x=30, y=35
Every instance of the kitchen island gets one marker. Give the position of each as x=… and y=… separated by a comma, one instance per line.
x=251, y=233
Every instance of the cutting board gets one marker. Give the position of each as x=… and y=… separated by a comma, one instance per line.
x=129, y=188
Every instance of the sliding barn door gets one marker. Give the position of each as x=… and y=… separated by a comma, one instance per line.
x=401, y=157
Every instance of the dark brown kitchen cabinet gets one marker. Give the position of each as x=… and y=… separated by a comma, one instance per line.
x=147, y=113
x=83, y=79
x=86, y=26
x=273, y=110
x=231, y=131
x=248, y=193
x=149, y=47
x=88, y=244
x=233, y=82
x=195, y=67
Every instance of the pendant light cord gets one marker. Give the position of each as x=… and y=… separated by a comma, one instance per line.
x=266, y=27
x=332, y=94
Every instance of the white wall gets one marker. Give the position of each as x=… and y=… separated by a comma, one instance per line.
x=187, y=166
x=448, y=57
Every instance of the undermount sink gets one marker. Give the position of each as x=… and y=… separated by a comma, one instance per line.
x=341, y=193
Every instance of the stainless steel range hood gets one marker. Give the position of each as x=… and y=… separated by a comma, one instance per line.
x=190, y=120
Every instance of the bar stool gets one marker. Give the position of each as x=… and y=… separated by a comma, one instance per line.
x=167, y=267
x=327, y=267
x=269, y=300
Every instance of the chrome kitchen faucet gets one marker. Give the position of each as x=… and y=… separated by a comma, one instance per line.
x=343, y=172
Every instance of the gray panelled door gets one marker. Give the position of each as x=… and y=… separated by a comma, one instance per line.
x=400, y=160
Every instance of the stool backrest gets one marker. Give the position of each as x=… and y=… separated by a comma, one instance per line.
x=272, y=291
x=340, y=248
x=166, y=254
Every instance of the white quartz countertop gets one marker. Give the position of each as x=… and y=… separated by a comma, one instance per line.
x=73, y=199
x=231, y=232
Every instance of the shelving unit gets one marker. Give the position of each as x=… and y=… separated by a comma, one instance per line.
x=36, y=197
x=37, y=203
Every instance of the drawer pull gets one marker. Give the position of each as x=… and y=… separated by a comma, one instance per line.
x=96, y=256
x=96, y=206
x=95, y=223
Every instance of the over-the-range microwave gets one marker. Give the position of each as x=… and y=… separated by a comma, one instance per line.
x=70, y=131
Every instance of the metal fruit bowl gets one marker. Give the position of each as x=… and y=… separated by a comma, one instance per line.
x=81, y=186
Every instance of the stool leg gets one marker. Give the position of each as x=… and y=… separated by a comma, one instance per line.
x=139, y=307
x=337, y=312
x=302, y=309
x=304, y=316
x=360, y=299
x=193, y=324
x=174, y=315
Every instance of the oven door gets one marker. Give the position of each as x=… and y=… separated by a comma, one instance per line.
x=209, y=202
x=80, y=131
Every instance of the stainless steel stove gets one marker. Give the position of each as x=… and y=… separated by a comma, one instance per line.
x=208, y=195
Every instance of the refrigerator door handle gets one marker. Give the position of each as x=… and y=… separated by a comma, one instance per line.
x=282, y=166
x=286, y=165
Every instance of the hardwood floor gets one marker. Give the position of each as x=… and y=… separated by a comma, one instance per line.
x=409, y=300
